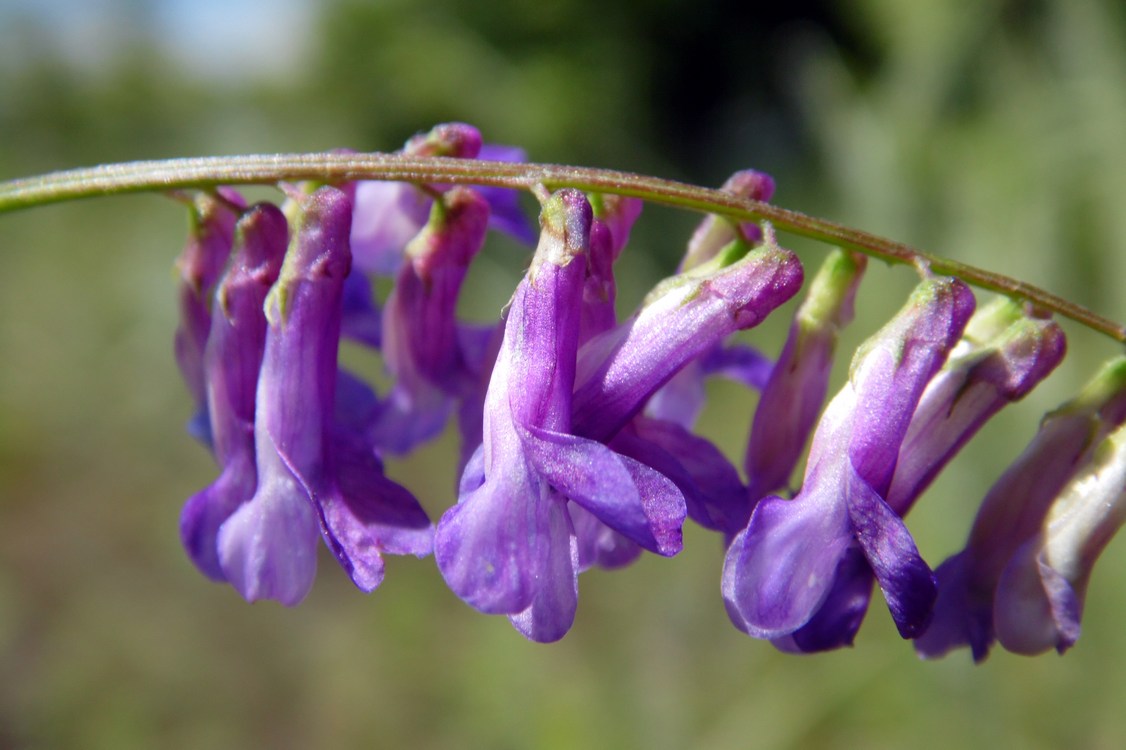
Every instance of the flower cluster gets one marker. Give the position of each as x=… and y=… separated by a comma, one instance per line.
x=578, y=428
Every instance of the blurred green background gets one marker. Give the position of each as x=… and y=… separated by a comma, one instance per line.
x=991, y=131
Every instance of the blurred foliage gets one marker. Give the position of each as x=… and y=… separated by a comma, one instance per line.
x=988, y=131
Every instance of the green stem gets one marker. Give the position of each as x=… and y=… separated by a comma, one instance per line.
x=211, y=172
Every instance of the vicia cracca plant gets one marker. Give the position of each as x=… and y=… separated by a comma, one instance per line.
x=578, y=427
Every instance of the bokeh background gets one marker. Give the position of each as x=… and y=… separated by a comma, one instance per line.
x=991, y=131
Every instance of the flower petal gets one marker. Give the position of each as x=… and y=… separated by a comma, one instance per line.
x=627, y=496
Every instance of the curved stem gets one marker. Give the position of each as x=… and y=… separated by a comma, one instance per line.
x=209, y=172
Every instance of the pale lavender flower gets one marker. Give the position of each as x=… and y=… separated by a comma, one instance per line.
x=1014, y=510
x=509, y=545
x=780, y=569
x=1040, y=593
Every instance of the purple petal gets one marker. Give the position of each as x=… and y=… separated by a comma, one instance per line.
x=620, y=369
x=362, y=320
x=626, y=495
x=1036, y=609
x=553, y=609
x=505, y=212
x=268, y=547
x=838, y=619
x=739, y=362
x=368, y=515
x=963, y=612
x=486, y=546
x=713, y=492
x=779, y=570
x=206, y=511
x=599, y=544
x=907, y=581
x=388, y=215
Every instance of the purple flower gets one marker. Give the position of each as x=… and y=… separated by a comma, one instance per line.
x=389, y=214
x=780, y=569
x=1040, y=593
x=1013, y=512
x=685, y=317
x=682, y=399
x=1003, y=355
x=422, y=342
x=200, y=265
x=509, y=545
x=314, y=476
x=795, y=392
x=230, y=369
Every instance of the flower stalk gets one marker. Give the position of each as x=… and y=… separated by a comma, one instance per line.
x=263, y=169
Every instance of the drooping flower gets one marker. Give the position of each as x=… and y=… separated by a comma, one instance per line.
x=1013, y=513
x=1040, y=593
x=315, y=477
x=780, y=569
x=509, y=546
x=682, y=398
x=389, y=214
x=795, y=392
x=1003, y=355
x=200, y=265
x=231, y=363
x=685, y=317
x=422, y=341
